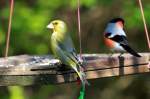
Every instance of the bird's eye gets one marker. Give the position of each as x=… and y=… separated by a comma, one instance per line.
x=55, y=23
x=107, y=34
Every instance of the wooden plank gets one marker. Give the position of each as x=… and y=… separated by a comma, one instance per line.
x=29, y=70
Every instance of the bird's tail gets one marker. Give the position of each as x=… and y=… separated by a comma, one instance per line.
x=81, y=75
x=130, y=50
x=80, y=71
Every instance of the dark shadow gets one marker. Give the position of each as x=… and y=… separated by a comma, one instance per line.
x=64, y=71
x=121, y=65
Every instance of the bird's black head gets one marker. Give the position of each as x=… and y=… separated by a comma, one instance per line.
x=115, y=20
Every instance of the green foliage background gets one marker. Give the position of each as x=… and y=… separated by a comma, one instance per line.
x=30, y=36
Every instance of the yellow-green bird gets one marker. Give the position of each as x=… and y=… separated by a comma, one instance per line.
x=63, y=49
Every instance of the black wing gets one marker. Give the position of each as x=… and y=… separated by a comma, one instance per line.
x=122, y=40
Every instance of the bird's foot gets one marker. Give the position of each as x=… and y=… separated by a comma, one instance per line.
x=120, y=56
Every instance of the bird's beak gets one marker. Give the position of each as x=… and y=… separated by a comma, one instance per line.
x=50, y=26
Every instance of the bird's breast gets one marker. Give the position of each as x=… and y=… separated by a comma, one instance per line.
x=109, y=43
x=114, y=46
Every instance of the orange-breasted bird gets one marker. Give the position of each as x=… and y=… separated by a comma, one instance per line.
x=115, y=37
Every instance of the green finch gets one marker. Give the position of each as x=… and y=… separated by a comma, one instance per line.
x=63, y=49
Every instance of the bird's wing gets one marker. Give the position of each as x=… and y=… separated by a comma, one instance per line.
x=67, y=54
x=69, y=50
x=120, y=39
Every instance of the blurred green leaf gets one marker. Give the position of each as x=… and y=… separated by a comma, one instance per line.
x=16, y=92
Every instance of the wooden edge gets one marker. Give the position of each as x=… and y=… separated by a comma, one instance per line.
x=22, y=72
